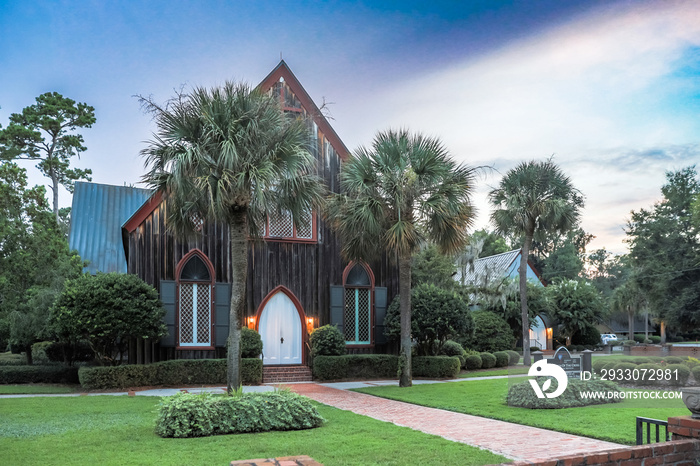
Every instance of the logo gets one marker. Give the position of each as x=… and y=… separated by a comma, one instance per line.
x=542, y=369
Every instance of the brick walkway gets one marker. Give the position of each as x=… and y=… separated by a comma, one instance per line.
x=507, y=439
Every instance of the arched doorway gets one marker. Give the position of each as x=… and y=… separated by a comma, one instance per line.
x=280, y=326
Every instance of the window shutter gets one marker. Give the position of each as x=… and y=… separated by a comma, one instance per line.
x=379, y=315
x=337, y=307
x=167, y=296
x=221, y=313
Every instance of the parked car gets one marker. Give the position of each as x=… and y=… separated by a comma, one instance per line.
x=607, y=338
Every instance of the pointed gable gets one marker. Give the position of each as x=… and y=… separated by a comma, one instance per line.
x=282, y=82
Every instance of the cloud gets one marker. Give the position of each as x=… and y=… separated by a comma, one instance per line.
x=598, y=92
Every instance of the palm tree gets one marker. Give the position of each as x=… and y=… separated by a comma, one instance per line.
x=534, y=198
x=630, y=299
x=230, y=155
x=404, y=190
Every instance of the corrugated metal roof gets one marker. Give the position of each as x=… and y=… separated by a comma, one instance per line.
x=97, y=215
x=496, y=265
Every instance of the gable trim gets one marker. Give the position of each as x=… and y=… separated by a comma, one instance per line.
x=282, y=71
x=144, y=211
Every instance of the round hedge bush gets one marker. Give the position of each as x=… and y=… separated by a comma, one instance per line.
x=488, y=360
x=327, y=341
x=251, y=343
x=473, y=362
x=647, y=379
x=491, y=333
x=641, y=360
x=679, y=374
x=502, y=358
x=452, y=348
x=623, y=366
x=514, y=357
x=696, y=374
x=522, y=395
x=674, y=360
x=598, y=365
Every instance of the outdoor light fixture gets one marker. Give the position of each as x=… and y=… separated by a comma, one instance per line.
x=251, y=323
x=309, y=324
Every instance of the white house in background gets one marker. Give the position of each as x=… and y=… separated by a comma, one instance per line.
x=505, y=265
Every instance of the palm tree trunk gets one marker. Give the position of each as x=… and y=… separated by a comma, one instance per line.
x=524, y=254
x=630, y=322
x=406, y=377
x=238, y=231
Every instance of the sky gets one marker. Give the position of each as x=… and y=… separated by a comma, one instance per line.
x=610, y=89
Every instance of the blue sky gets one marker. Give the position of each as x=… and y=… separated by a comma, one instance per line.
x=610, y=88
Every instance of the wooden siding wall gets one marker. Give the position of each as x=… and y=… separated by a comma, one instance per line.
x=306, y=269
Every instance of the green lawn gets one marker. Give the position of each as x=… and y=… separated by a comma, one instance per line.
x=613, y=422
x=119, y=430
x=37, y=389
x=513, y=370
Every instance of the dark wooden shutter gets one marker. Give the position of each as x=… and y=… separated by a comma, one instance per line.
x=337, y=306
x=379, y=315
x=221, y=316
x=168, y=292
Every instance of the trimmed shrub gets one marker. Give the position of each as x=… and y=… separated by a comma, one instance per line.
x=327, y=341
x=674, y=360
x=679, y=374
x=534, y=349
x=38, y=374
x=473, y=362
x=692, y=362
x=655, y=339
x=620, y=375
x=639, y=337
x=10, y=359
x=452, y=348
x=588, y=335
x=598, y=365
x=488, y=360
x=355, y=366
x=641, y=360
x=190, y=415
x=696, y=374
x=522, y=395
x=629, y=343
x=491, y=333
x=502, y=358
x=251, y=343
x=437, y=367
x=39, y=352
x=330, y=367
x=650, y=377
x=174, y=372
x=514, y=357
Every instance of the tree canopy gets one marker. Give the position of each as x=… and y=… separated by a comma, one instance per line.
x=45, y=132
x=533, y=199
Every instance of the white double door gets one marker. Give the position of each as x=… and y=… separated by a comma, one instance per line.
x=280, y=330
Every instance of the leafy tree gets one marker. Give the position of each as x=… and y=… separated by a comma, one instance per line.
x=230, y=155
x=430, y=266
x=664, y=245
x=34, y=259
x=45, y=132
x=491, y=333
x=437, y=315
x=510, y=308
x=492, y=242
x=534, y=198
x=563, y=256
x=107, y=310
x=575, y=305
x=403, y=191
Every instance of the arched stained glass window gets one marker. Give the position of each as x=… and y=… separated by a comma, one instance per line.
x=195, y=301
x=357, y=312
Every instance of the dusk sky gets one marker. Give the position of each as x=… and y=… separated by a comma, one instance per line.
x=611, y=89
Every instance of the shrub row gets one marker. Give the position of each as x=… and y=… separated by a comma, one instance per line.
x=38, y=374
x=382, y=366
x=189, y=415
x=174, y=372
x=523, y=396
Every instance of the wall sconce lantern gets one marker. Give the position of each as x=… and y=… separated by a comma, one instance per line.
x=251, y=323
x=309, y=324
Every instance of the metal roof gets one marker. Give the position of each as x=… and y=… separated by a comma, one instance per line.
x=97, y=215
x=496, y=265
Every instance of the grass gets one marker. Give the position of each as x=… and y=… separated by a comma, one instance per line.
x=37, y=389
x=612, y=422
x=119, y=430
x=513, y=370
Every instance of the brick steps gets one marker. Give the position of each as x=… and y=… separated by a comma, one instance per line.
x=286, y=374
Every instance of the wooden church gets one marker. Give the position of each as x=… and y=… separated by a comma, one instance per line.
x=297, y=279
